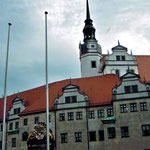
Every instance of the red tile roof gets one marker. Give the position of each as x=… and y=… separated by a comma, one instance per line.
x=143, y=63
x=99, y=90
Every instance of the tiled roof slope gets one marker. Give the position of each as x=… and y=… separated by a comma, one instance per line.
x=99, y=90
x=143, y=63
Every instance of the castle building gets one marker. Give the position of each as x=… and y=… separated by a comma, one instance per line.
x=108, y=108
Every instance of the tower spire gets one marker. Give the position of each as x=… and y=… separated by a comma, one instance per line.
x=87, y=10
x=89, y=30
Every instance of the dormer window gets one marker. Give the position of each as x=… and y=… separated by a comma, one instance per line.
x=131, y=89
x=16, y=110
x=71, y=99
x=120, y=58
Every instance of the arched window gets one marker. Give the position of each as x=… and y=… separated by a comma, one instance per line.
x=24, y=136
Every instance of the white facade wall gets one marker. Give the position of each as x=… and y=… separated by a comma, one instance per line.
x=86, y=68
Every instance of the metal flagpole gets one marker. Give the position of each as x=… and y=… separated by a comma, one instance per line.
x=47, y=94
x=5, y=96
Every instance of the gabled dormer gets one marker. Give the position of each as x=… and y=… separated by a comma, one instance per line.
x=17, y=107
x=71, y=98
x=131, y=88
x=119, y=61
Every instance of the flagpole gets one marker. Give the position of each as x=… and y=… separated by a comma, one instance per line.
x=5, y=96
x=47, y=93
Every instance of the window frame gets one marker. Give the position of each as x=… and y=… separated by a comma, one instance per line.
x=11, y=126
x=123, y=108
x=110, y=112
x=17, y=110
x=25, y=136
x=143, y=106
x=17, y=125
x=36, y=120
x=61, y=116
x=101, y=135
x=13, y=144
x=64, y=137
x=146, y=132
x=25, y=121
x=70, y=116
x=92, y=133
x=133, y=107
x=111, y=132
x=93, y=64
x=91, y=114
x=124, y=131
x=79, y=115
x=78, y=136
x=100, y=113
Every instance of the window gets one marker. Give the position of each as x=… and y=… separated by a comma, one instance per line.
x=131, y=89
x=143, y=106
x=16, y=110
x=49, y=118
x=64, y=137
x=1, y=127
x=124, y=132
x=123, y=108
x=123, y=58
x=134, y=88
x=91, y=114
x=11, y=126
x=25, y=122
x=100, y=113
x=93, y=64
x=110, y=112
x=92, y=46
x=36, y=120
x=92, y=136
x=117, y=72
x=101, y=135
x=118, y=58
x=127, y=89
x=133, y=107
x=16, y=125
x=24, y=136
x=111, y=132
x=13, y=144
x=71, y=99
x=78, y=136
x=146, y=130
x=0, y=144
x=70, y=116
x=62, y=116
x=78, y=115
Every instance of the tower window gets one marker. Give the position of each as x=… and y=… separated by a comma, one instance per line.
x=92, y=46
x=93, y=64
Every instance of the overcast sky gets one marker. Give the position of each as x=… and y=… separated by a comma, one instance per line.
x=124, y=20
